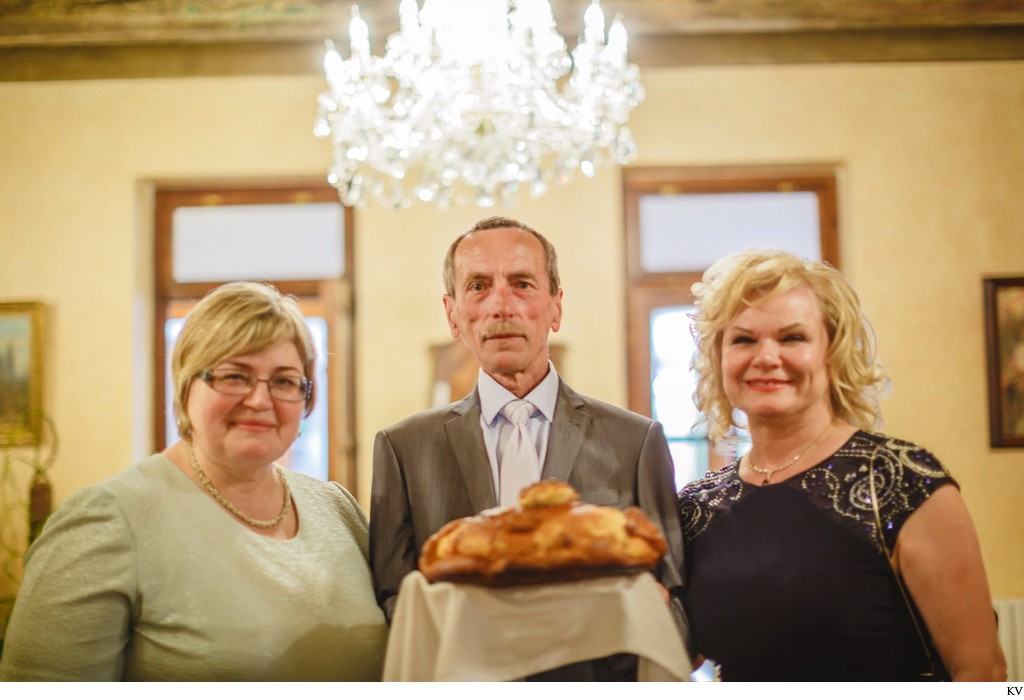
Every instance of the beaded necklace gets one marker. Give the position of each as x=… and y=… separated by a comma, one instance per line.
x=286, y=505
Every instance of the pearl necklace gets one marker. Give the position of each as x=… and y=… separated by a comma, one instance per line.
x=286, y=506
x=770, y=472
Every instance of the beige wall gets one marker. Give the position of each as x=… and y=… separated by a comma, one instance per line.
x=931, y=157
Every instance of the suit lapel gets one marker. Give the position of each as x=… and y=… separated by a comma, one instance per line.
x=568, y=428
x=466, y=440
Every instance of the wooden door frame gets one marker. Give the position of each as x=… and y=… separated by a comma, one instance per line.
x=334, y=297
x=648, y=290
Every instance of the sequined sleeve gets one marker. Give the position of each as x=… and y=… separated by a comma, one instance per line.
x=905, y=476
x=700, y=501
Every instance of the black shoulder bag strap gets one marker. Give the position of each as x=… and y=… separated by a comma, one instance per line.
x=930, y=673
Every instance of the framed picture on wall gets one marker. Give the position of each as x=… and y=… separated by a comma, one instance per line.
x=21, y=372
x=1004, y=340
x=455, y=370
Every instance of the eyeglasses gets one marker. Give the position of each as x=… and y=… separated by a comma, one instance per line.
x=236, y=382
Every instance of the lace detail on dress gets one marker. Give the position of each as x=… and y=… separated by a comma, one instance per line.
x=905, y=476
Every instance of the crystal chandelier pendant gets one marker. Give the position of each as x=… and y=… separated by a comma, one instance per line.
x=475, y=101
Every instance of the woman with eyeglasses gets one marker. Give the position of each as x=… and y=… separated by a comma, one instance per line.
x=209, y=561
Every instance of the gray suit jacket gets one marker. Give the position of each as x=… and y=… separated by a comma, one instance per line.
x=432, y=468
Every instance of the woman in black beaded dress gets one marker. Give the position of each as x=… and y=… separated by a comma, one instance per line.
x=788, y=577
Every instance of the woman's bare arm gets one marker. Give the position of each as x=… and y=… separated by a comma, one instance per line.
x=938, y=554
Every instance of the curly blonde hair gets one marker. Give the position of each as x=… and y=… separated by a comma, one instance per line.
x=751, y=278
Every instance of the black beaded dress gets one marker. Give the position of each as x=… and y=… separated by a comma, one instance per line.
x=788, y=581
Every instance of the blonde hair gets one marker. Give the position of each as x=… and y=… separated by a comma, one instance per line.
x=751, y=278
x=236, y=319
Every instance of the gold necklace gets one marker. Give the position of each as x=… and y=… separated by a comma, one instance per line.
x=286, y=506
x=769, y=472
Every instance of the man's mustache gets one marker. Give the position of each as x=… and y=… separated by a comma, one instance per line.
x=503, y=328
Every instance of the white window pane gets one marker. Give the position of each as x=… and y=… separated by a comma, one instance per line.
x=672, y=381
x=309, y=454
x=690, y=459
x=672, y=387
x=258, y=242
x=691, y=231
x=171, y=331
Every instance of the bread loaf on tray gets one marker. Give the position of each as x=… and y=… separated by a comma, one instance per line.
x=550, y=536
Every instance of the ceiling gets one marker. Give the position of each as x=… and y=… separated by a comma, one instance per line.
x=95, y=39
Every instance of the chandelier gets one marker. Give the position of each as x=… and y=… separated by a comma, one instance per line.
x=475, y=101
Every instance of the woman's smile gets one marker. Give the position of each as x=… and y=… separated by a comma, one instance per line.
x=767, y=384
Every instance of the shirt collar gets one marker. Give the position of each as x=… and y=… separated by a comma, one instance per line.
x=493, y=396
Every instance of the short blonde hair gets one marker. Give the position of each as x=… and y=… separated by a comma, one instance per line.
x=236, y=319
x=751, y=278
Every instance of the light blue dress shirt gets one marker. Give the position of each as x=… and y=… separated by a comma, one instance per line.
x=493, y=396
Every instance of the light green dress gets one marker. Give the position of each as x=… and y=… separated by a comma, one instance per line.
x=144, y=577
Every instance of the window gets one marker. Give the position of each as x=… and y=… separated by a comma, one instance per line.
x=678, y=222
x=300, y=240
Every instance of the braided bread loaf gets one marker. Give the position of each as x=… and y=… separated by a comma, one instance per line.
x=549, y=536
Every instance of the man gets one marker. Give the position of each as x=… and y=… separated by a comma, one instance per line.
x=502, y=298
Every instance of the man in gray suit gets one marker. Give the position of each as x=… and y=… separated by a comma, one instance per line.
x=502, y=298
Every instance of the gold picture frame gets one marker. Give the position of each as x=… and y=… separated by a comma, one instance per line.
x=21, y=372
x=455, y=370
x=1004, y=340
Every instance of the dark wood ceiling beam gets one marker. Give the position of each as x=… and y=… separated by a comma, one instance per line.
x=78, y=23
x=864, y=46
x=74, y=40
x=158, y=61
